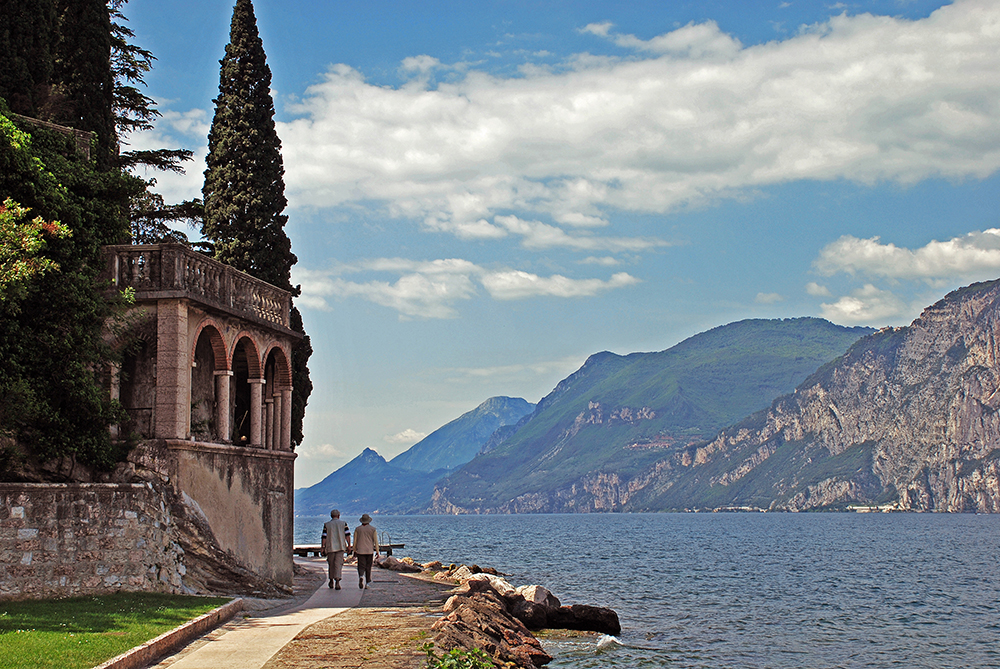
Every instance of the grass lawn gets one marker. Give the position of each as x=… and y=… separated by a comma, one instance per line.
x=82, y=632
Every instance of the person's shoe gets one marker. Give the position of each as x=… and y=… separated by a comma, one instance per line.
x=338, y=585
x=331, y=583
x=368, y=585
x=361, y=583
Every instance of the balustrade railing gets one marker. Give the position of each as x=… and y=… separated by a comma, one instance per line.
x=176, y=269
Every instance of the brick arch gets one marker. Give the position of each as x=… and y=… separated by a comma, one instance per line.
x=217, y=342
x=253, y=354
x=282, y=365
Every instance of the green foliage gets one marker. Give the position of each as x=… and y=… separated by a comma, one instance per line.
x=26, y=53
x=52, y=340
x=82, y=632
x=244, y=192
x=694, y=389
x=82, y=73
x=457, y=658
x=21, y=245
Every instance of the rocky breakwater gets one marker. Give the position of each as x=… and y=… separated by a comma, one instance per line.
x=491, y=615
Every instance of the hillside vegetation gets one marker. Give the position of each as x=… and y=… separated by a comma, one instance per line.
x=595, y=439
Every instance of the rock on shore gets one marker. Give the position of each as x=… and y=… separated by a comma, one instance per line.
x=491, y=615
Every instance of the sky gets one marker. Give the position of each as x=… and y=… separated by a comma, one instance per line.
x=482, y=195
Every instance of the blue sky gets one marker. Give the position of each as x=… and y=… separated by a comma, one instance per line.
x=484, y=194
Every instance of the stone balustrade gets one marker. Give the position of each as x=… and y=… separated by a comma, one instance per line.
x=173, y=270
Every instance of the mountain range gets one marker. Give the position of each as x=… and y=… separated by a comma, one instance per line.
x=909, y=417
x=601, y=435
x=369, y=484
x=608, y=422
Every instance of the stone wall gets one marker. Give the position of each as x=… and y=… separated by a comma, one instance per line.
x=245, y=496
x=59, y=540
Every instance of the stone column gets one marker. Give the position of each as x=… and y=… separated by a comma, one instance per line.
x=279, y=422
x=269, y=428
x=222, y=382
x=256, y=408
x=173, y=371
x=286, y=419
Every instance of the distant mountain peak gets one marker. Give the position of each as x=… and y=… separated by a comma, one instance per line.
x=459, y=441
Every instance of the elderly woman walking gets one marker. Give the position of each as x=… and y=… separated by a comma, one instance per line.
x=365, y=548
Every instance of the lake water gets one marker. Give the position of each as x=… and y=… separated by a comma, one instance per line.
x=743, y=590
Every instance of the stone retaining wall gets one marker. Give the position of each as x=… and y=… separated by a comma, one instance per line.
x=59, y=540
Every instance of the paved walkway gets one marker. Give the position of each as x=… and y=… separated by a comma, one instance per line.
x=248, y=643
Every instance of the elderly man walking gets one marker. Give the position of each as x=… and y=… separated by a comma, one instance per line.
x=336, y=540
x=365, y=548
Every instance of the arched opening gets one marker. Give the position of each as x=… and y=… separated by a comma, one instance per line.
x=203, y=387
x=241, y=393
x=277, y=400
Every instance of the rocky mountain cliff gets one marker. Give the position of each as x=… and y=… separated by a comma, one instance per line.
x=908, y=415
x=608, y=431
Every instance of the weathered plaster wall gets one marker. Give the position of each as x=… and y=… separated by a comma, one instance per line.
x=60, y=540
x=245, y=494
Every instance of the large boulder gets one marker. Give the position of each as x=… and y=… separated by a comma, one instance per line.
x=499, y=584
x=532, y=605
x=479, y=619
x=393, y=564
x=585, y=618
x=537, y=594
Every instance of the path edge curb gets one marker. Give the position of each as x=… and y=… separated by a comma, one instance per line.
x=147, y=653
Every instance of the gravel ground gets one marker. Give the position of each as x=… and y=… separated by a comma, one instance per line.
x=385, y=631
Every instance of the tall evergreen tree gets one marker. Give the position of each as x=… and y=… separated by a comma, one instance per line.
x=27, y=29
x=83, y=73
x=244, y=192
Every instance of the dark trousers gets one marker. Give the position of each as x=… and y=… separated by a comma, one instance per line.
x=365, y=565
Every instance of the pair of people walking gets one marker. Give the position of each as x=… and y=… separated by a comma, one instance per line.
x=337, y=544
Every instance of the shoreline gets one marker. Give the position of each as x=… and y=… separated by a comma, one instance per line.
x=406, y=608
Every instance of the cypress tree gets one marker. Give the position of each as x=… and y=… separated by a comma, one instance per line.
x=83, y=74
x=27, y=29
x=244, y=192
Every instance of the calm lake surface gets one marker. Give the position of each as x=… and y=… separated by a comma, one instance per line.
x=743, y=590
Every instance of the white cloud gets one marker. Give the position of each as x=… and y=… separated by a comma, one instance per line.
x=868, y=305
x=407, y=436
x=421, y=63
x=538, y=235
x=599, y=29
x=432, y=289
x=695, y=40
x=516, y=285
x=320, y=451
x=817, y=290
x=769, y=298
x=975, y=255
x=865, y=98
x=605, y=261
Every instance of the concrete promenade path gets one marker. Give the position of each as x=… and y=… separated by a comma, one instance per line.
x=249, y=642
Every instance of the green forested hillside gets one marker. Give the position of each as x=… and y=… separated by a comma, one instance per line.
x=617, y=415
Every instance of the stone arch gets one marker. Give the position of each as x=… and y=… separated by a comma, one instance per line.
x=277, y=399
x=246, y=368
x=254, y=361
x=214, y=333
x=208, y=360
x=282, y=367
